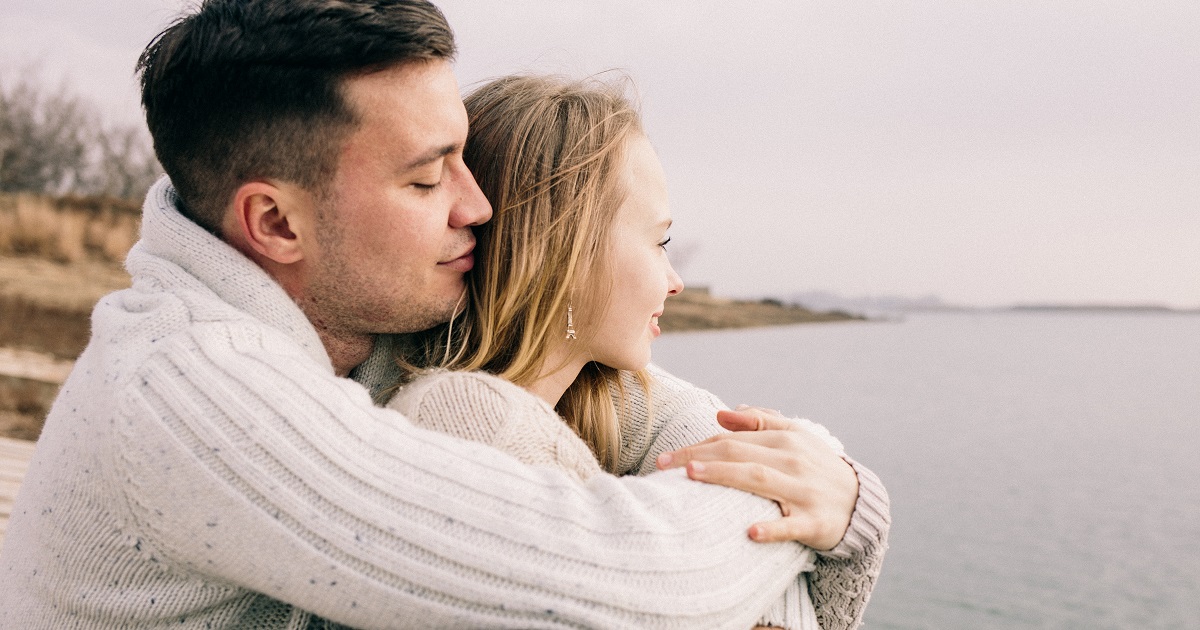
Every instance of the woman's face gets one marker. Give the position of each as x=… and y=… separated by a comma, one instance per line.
x=640, y=274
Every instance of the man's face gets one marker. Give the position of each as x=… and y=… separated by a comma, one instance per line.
x=394, y=237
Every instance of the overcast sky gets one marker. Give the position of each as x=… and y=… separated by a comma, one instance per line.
x=988, y=152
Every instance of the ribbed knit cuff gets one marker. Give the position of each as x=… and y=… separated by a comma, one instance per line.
x=871, y=519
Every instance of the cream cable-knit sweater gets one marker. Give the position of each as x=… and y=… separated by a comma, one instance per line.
x=203, y=467
x=840, y=584
x=485, y=408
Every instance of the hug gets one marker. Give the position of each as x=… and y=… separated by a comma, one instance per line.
x=385, y=363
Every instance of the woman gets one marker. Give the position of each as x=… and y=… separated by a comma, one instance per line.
x=562, y=308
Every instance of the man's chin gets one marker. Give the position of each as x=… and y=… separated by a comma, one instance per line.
x=432, y=318
x=458, y=306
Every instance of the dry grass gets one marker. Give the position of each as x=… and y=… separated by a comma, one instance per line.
x=67, y=229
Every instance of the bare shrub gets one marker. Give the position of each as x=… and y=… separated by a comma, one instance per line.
x=54, y=142
x=43, y=138
x=125, y=167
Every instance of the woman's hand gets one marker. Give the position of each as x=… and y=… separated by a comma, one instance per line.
x=767, y=455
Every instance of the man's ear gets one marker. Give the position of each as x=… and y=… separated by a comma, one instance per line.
x=271, y=220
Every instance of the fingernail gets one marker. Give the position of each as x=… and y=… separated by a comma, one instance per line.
x=664, y=460
x=741, y=407
x=697, y=467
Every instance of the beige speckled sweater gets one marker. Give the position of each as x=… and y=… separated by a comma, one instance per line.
x=203, y=467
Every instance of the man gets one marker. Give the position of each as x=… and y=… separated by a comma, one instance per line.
x=206, y=465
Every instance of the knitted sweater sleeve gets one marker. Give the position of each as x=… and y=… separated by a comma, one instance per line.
x=678, y=413
x=490, y=410
x=261, y=469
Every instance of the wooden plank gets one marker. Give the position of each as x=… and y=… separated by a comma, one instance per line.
x=34, y=366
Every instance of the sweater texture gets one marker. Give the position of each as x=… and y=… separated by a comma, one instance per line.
x=488, y=409
x=678, y=414
x=204, y=467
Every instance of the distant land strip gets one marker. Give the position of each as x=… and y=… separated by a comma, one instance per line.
x=1103, y=308
x=696, y=309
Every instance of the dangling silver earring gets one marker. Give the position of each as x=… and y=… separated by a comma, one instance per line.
x=570, y=322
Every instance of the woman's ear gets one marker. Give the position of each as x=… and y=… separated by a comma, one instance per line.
x=271, y=220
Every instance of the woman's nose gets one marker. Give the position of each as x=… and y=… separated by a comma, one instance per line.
x=674, y=282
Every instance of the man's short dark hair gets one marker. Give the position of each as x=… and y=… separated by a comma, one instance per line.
x=247, y=89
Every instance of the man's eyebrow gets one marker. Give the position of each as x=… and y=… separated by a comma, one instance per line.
x=432, y=155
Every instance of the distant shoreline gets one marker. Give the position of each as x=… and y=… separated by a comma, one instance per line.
x=696, y=309
x=1102, y=308
x=1064, y=309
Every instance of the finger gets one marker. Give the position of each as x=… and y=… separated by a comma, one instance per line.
x=799, y=522
x=750, y=477
x=752, y=419
x=739, y=420
x=765, y=409
x=778, y=449
x=744, y=407
x=794, y=527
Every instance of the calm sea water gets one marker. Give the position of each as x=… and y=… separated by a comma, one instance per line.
x=1044, y=469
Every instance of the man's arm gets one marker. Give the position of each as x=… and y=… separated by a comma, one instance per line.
x=263, y=470
x=761, y=458
x=677, y=416
x=804, y=471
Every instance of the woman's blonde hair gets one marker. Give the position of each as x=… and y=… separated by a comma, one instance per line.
x=549, y=154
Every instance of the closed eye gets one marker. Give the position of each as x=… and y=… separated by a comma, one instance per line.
x=426, y=187
x=664, y=243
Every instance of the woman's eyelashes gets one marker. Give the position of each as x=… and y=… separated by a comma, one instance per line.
x=663, y=244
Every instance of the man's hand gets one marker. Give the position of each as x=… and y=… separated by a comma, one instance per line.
x=766, y=455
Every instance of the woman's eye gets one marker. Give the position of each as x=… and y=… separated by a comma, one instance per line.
x=664, y=243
